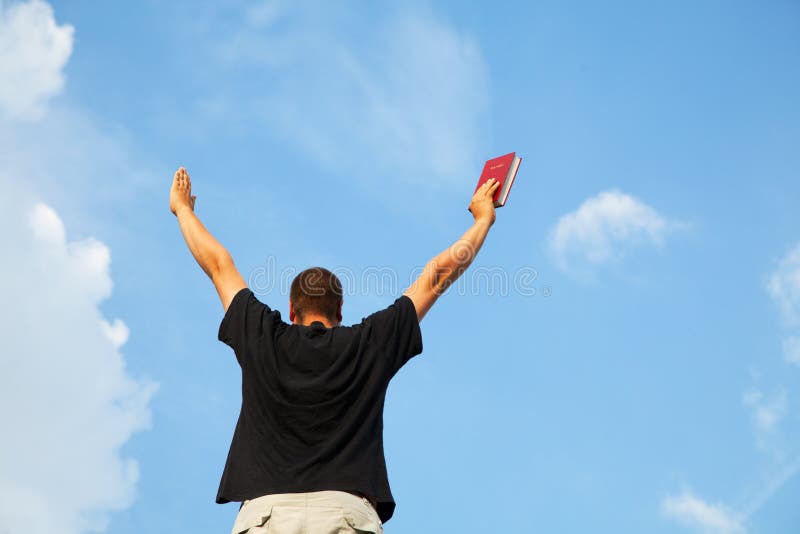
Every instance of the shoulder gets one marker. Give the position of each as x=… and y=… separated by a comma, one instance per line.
x=402, y=305
x=242, y=299
x=246, y=314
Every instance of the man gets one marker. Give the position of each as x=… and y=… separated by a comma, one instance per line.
x=307, y=452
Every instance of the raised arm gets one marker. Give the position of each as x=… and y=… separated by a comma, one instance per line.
x=212, y=257
x=444, y=269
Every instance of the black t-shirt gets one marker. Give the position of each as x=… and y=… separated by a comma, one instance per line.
x=312, y=401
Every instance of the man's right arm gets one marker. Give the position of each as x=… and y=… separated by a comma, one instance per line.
x=213, y=258
x=447, y=266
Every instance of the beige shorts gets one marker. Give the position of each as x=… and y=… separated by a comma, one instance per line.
x=317, y=512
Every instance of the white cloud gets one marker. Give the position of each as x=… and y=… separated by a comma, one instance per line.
x=66, y=401
x=693, y=512
x=784, y=286
x=33, y=52
x=791, y=349
x=603, y=227
x=117, y=333
x=47, y=226
x=400, y=93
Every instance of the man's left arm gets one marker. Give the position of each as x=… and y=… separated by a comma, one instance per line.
x=212, y=257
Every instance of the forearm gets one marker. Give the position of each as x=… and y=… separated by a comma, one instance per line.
x=207, y=251
x=452, y=262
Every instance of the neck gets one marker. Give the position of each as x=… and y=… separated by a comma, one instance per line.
x=319, y=318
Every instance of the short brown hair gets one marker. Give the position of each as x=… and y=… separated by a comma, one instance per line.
x=318, y=291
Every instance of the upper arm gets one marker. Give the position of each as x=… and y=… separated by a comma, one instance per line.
x=395, y=333
x=247, y=323
x=227, y=280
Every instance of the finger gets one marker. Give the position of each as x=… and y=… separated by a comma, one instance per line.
x=483, y=188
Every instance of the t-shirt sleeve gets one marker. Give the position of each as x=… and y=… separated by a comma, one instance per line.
x=246, y=319
x=395, y=331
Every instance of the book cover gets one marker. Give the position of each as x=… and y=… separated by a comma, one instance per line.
x=504, y=170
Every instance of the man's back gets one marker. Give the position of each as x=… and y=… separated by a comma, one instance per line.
x=312, y=401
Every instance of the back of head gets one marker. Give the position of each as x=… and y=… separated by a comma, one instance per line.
x=316, y=291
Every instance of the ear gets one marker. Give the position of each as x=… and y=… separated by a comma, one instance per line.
x=291, y=312
x=339, y=312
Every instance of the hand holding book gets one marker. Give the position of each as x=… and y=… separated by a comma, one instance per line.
x=482, y=205
x=503, y=169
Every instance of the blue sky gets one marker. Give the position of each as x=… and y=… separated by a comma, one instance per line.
x=640, y=374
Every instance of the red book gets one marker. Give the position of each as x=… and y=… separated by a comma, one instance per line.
x=504, y=169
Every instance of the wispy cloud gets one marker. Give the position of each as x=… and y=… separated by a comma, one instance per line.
x=777, y=480
x=399, y=93
x=33, y=52
x=603, y=228
x=783, y=285
x=767, y=412
x=695, y=513
x=699, y=515
x=772, y=428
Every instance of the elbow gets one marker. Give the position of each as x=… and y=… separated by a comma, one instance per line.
x=444, y=278
x=216, y=264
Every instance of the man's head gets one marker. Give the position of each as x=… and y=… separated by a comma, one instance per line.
x=316, y=295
